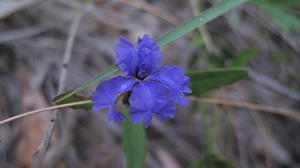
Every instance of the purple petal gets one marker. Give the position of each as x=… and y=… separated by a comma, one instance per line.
x=145, y=94
x=181, y=99
x=106, y=93
x=166, y=110
x=138, y=116
x=114, y=116
x=148, y=99
x=149, y=55
x=127, y=57
x=173, y=77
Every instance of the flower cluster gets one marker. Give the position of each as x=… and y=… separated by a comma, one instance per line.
x=153, y=91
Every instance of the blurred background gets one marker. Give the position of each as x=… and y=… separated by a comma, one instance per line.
x=262, y=36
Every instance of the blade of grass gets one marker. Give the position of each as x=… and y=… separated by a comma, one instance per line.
x=197, y=21
x=108, y=72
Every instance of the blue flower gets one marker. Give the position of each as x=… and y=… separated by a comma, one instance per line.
x=153, y=91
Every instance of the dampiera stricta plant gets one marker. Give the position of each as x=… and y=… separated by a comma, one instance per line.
x=153, y=91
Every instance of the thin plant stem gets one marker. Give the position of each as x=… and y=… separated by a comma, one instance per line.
x=29, y=113
x=211, y=47
x=251, y=106
x=42, y=149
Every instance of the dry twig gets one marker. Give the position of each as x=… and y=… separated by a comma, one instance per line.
x=17, y=34
x=211, y=47
x=251, y=106
x=29, y=113
x=42, y=149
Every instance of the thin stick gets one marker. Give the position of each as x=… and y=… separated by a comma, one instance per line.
x=251, y=106
x=29, y=113
x=42, y=149
x=211, y=47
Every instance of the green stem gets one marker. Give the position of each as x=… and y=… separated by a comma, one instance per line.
x=134, y=142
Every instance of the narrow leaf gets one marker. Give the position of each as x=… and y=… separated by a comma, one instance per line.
x=208, y=80
x=108, y=72
x=134, y=143
x=200, y=20
x=72, y=99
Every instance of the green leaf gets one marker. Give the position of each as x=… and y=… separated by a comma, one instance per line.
x=212, y=161
x=134, y=143
x=243, y=57
x=208, y=80
x=108, y=72
x=72, y=99
x=197, y=21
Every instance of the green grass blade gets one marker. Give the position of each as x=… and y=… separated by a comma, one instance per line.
x=134, y=143
x=197, y=21
x=108, y=72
